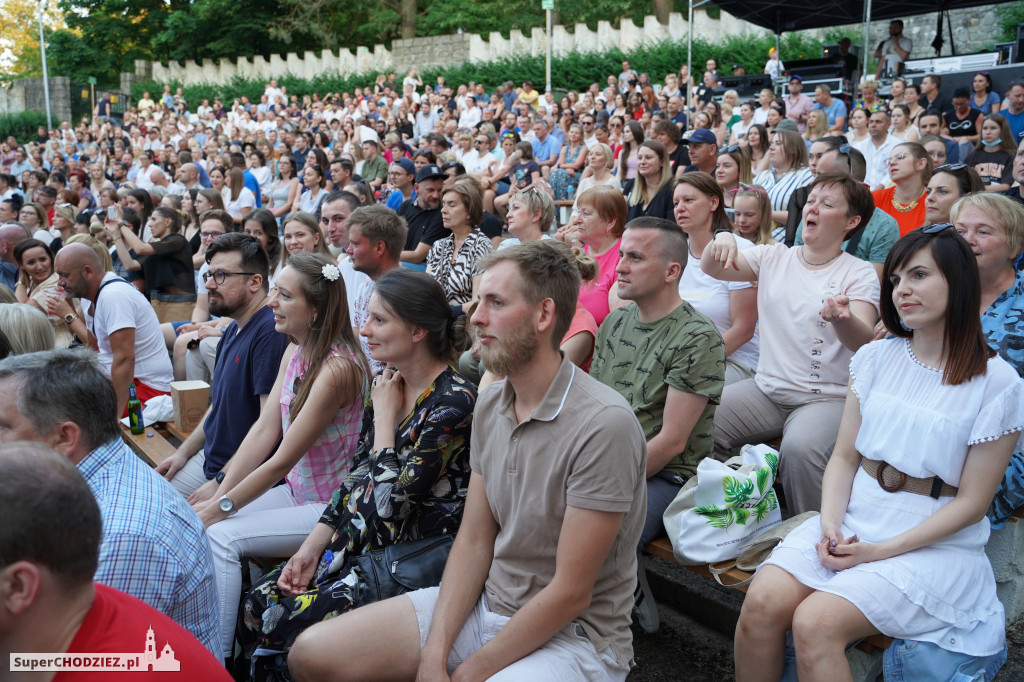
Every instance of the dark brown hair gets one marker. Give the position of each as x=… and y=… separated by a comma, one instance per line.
x=963, y=341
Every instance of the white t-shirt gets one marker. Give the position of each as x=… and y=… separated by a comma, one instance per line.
x=802, y=359
x=245, y=202
x=710, y=297
x=122, y=306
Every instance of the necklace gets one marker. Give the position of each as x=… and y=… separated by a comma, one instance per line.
x=804, y=259
x=903, y=208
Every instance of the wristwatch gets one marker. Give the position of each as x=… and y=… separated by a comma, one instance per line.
x=220, y=477
x=227, y=505
x=69, y=318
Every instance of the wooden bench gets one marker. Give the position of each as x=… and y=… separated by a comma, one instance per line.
x=563, y=209
x=662, y=548
x=151, y=446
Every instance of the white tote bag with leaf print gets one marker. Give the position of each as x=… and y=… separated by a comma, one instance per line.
x=724, y=505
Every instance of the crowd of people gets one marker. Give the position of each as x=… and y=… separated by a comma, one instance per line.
x=405, y=340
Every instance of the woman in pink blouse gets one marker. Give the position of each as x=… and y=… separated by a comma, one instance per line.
x=314, y=412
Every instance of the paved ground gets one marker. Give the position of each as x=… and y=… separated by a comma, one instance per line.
x=685, y=650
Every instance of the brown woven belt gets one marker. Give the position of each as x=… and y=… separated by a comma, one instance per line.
x=893, y=480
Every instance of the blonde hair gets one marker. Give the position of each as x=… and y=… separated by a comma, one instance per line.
x=26, y=327
x=1001, y=209
x=640, y=184
x=763, y=234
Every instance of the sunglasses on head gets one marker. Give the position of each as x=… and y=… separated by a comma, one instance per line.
x=950, y=167
x=936, y=228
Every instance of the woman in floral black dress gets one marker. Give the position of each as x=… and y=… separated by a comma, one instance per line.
x=408, y=478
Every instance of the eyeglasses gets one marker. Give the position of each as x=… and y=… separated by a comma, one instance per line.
x=936, y=228
x=210, y=235
x=219, y=276
x=950, y=167
x=587, y=123
x=614, y=125
x=728, y=150
x=480, y=142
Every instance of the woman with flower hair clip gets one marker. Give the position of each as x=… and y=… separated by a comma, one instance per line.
x=313, y=411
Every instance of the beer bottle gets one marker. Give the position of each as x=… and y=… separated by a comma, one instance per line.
x=135, y=422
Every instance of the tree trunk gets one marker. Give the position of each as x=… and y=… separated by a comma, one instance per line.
x=662, y=8
x=408, y=14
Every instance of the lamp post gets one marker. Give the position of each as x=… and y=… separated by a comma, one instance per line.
x=46, y=79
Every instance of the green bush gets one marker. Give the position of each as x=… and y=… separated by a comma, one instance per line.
x=22, y=126
x=575, y=71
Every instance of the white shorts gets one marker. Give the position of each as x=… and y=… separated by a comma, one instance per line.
x=569, y=655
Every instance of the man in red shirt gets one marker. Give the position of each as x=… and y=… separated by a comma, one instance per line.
x=55, y=623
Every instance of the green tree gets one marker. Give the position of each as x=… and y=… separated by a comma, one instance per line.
x=106, y=36
x=217, y=29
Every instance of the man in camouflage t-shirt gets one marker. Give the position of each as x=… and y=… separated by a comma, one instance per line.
x=665, y=358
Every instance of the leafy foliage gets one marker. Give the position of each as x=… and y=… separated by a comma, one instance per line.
x=717, y=517
x=22, y=126
x=773, y=462
x=765, y=505
x=737, y=491
x=763, y=476
x=1008, y=16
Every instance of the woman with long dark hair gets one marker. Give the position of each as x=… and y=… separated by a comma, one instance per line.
x=931, y=418
x=409, y=474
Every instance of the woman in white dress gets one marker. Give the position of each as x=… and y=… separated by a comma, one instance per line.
x=931, y=418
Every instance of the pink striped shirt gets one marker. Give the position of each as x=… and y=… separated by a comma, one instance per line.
x=323, y=468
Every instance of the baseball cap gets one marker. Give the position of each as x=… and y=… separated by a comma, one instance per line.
x=787, y=124
x=429, y=171
x=701, y=136
x=795, y=77
x=406, y=165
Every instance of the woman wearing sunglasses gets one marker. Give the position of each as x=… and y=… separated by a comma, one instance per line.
x=899, y=547
x=732, y=170
x=993, y=226
x=948, y=184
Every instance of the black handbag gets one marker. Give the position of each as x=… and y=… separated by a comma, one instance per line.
x=403, y=567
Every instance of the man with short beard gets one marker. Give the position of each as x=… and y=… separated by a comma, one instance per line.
x=248, y=360
x=668, y=362
x=422, y=215
x=543, y=565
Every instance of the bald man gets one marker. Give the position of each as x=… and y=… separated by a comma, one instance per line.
x=188, y=176
x=120, y=324
x=10, y=234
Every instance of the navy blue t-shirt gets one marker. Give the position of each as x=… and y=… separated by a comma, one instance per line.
x=247, y=365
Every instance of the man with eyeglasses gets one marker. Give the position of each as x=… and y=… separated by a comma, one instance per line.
x=587, y=123
x=248, y=359
x=400, y=177
x=479, y=160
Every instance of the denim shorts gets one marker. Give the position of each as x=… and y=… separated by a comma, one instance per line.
x=912, y=661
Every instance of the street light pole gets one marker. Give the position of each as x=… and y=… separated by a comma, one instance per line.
x=46, y=79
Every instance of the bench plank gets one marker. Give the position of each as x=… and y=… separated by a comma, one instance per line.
x=150, y=446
